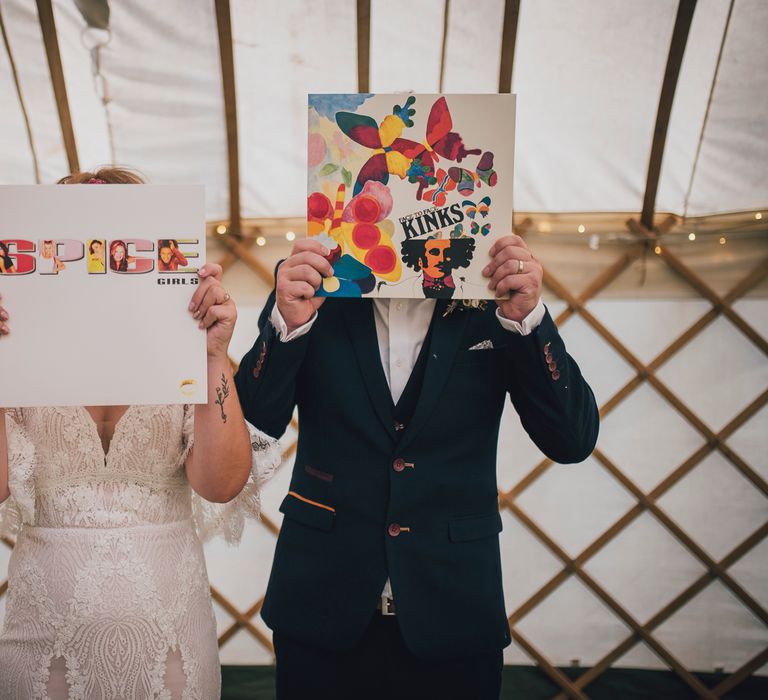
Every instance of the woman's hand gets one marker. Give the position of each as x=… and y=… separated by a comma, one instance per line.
x=4, y=328
x=219, y=463
x=213, y=308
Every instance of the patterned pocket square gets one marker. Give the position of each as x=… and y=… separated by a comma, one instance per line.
x=483, y=345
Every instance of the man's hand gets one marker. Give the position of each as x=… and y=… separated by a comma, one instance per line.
x=298, y=278
x=513, y=270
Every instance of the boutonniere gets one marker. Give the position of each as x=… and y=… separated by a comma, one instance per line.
x=461, y=304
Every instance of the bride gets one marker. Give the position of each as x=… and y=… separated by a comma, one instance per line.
x=108, y=594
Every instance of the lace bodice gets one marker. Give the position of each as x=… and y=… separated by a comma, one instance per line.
x=59, y=475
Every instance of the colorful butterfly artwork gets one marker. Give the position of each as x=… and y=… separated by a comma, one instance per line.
x=477, y=210
x=485, y=169
x=467, y=180
x=472, y=209
x=440, y=142
x=393, y=155
x=476, y=228
x=438, y=195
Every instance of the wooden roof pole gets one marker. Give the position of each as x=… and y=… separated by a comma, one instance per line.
x=363, y=45
x=508, y=40
x=48, y=28
x=224, y=26
x=20, y=96
x=680, y=32
x=444, y=45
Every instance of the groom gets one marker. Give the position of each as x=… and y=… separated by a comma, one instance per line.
x=386, y=581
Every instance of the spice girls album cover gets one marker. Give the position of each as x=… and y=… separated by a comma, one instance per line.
x=409, y=192
x=98, y=280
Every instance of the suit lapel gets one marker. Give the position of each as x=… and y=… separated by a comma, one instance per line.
x=447, y=332
x=362, y=332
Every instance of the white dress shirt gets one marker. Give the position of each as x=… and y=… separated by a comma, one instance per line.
x=401, y=327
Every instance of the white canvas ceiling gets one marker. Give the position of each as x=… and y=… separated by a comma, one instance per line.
x=588, y=75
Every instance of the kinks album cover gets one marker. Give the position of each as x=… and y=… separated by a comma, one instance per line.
x=410, y=191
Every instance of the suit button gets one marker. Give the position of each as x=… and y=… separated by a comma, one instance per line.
x=393, y=530
x=556, y=375
x=552, y=366
x=546, y=348
x=548, y=357
x=399, y=464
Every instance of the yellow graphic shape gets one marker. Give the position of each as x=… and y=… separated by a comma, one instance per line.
x=188, y=387
x=331, y=284
x=380, y=255
x=391, y=128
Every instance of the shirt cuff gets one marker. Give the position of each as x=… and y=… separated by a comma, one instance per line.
x=528, y=324
x=277, y=320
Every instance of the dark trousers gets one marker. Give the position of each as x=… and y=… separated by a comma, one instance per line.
x=380, y=667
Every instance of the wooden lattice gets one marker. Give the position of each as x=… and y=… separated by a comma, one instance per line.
x=239, y=248
x=645, y=502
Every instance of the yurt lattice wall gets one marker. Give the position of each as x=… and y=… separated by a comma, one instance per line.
x=585, y=603
x=554, y=625
x=651, y=553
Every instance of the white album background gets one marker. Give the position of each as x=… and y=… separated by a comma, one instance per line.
x=114, y=334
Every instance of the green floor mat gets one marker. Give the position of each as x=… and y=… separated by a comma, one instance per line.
x=530, y=683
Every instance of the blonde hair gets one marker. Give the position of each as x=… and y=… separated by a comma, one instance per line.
x=107, y=175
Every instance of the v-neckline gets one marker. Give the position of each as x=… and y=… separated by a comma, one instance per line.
x=95, y=429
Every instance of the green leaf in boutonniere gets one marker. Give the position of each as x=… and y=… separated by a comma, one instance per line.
x=461, y=304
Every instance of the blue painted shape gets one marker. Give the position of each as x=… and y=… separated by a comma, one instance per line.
x=348, y=267
x=347, y=288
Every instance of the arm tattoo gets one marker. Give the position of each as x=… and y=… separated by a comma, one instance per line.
x=222, y=393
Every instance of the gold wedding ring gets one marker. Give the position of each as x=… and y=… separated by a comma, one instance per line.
x=520, y=267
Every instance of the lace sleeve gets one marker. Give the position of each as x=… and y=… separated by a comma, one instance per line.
x=228, y=519
x=20, y=506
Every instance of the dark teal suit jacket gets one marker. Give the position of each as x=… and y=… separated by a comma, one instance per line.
x=336, y=547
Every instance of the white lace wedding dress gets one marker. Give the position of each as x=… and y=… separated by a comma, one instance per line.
x=108, y=593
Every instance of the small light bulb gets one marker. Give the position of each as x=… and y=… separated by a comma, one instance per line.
x=290, y=235
x=759, y=215
x=691, y=236
x=261, y=241
x=723, y=240
x=657, y=250
x=582, y=228
x=545, y=227
x=221, y=229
